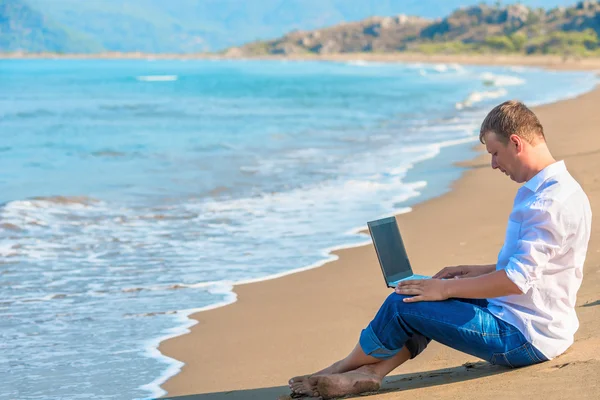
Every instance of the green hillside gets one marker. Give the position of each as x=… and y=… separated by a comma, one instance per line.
x=477, y=29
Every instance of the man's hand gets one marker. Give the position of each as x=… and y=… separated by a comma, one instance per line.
x=423, y=290
x=464, y=271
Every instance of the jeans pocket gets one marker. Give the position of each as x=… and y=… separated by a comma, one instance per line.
x=520, y=357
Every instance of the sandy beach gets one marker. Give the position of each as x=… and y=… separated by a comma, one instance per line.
x=549, y=61
x=303, y=322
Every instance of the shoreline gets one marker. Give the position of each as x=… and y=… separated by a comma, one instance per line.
x=329, y=255
x=547, y=61
x=336, y=255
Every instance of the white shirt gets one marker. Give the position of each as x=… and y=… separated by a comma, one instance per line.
x=544, y=250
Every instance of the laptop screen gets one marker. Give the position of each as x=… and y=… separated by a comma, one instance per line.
x=390, y=249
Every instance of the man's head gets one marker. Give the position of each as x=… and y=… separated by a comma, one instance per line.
x=513, y=135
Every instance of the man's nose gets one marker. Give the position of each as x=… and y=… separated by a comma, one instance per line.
x=494, y=163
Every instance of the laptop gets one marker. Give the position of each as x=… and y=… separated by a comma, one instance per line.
x=391, y=252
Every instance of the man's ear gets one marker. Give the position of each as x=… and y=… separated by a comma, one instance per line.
x=517, y=142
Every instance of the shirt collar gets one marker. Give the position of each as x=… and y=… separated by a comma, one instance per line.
x=551, y=170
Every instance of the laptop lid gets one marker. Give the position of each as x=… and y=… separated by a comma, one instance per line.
x=390, y=249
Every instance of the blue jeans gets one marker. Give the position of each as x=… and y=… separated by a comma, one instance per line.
x=463, y=324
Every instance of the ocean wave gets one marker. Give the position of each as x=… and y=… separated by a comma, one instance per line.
x=477, y=97
x=518, y=69
x=440, y=68
x=294, y=206
x=169, y=217
x=10, y=227
x=304, y=154
x=463, y=126
x=49, y=297
x=55, y=212
x=490, y=79
x=218, y=191
x=457, y=67
x=173, y=286
x=424, y=67
x=185, y=323
x=363, y=63
x=42, y=202
x=157, y=78
x=8, y=250
x=148, y=314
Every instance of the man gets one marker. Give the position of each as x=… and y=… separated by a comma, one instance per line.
x=517, y=312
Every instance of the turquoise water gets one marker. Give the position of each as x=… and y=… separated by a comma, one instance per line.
x=135, y=192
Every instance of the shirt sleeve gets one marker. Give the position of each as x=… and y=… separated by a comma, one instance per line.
x=540, y=237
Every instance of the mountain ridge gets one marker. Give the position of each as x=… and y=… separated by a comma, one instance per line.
x=475, y=29
x=192, y=26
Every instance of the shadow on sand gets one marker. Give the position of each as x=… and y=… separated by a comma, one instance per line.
x=595, y=303
x=396, y=383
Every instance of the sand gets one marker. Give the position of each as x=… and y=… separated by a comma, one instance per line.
x=303, y=322
x=551, y=61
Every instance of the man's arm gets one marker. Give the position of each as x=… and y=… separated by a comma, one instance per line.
x=465, y=271
x=539, y=240
x=495, y=284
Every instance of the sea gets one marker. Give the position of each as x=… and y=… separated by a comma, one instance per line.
x=136, y=192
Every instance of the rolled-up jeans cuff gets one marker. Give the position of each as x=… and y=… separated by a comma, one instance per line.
x=371, y=345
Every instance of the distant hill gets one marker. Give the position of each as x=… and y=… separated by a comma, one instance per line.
x=187, y=26
x=476, y=29
x=22, y=27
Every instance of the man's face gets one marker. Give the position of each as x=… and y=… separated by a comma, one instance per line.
x=504, y=156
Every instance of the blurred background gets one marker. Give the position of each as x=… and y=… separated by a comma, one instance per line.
x=192, y=26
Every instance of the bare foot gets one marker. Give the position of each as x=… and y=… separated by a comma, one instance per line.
x=305, y=386
x=353, y=382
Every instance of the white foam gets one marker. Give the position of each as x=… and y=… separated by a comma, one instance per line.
x=477, y=97
x=7, y=250
x=359, y=63
x=174, y=366
x=174, y=286
x=398, y=170
x=518, y=69
x=457, y=67
x=185, y=323
x=460, y=127
x=327, y=256
x=157, y=78
x=455, y=142
x=440, y=67
x=491, y=79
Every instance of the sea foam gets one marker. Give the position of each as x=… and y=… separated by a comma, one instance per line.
x=157, y=78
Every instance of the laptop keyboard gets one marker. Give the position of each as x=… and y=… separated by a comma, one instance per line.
x=410, y=278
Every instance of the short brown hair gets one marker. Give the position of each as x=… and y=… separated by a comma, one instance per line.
x=512, y=118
